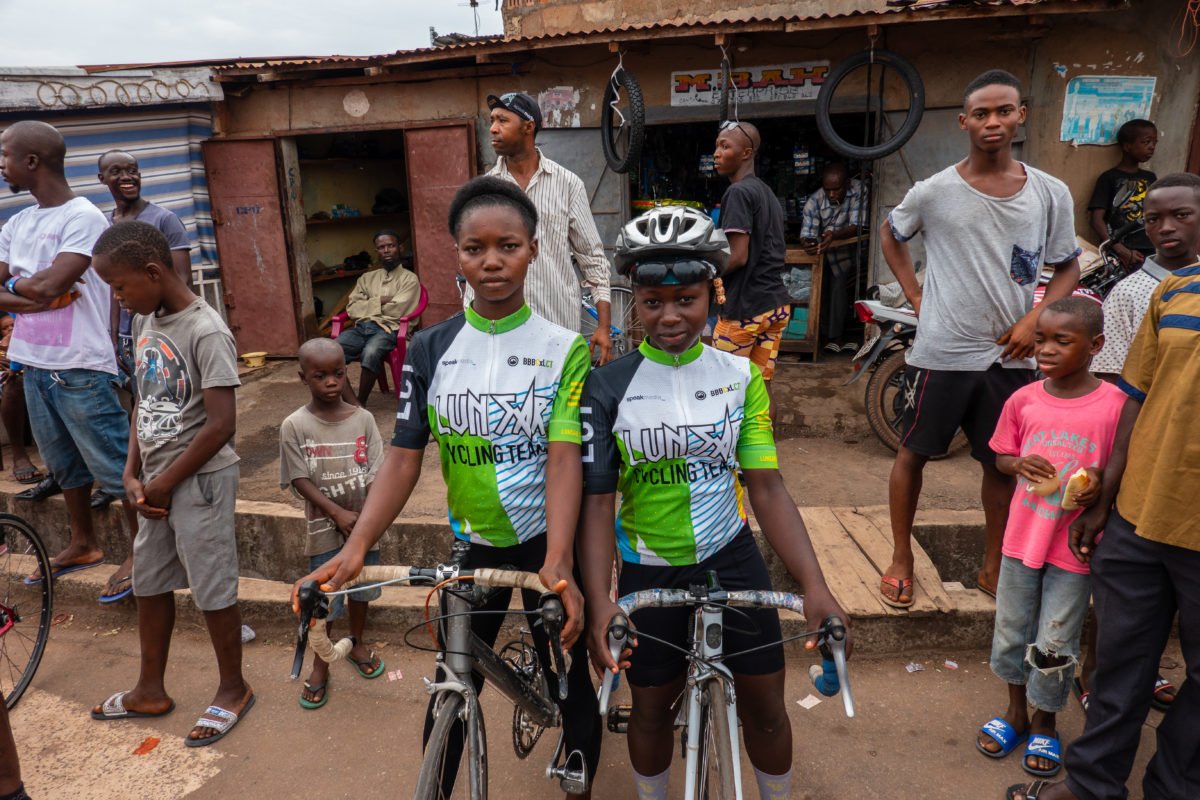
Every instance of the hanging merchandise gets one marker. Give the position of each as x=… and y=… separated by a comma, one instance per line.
x=802, y=160
x=707, y=168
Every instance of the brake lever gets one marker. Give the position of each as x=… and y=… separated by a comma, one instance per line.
x=553, y=617
x=313, y=602
x=618, y=634
x=833, y=676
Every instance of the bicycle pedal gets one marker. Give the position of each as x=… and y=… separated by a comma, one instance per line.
x=618, y=718
x=572, y=775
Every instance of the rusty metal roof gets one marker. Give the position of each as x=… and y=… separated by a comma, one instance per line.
x=794, y=15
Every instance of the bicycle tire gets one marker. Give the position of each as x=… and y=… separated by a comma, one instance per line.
x=726, y=81
x=884, y=410
x=916, y=105
x=431, y=777
x=623, y=319
x=716, y=750
x=636, y=122
x=22, y=646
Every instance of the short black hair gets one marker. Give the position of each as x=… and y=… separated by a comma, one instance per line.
x=134, y=244
x=107, y=153
x=486, y=192
x=1088, y=312
x=993, y=77
x=386, y=232
x=1177, y=180
x=1130, y=131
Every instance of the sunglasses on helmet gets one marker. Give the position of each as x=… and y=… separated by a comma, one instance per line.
x=671, y=272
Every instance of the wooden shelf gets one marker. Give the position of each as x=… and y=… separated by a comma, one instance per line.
x=325, y=277
x=362, y=218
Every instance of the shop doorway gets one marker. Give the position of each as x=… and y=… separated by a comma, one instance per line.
x=676, y=167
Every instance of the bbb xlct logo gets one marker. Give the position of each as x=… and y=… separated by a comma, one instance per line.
x=513, y=361
x=700, y=395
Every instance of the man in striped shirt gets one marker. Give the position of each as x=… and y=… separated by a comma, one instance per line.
x=566, y=229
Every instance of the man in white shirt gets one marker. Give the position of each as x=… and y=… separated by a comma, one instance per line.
x=565, y=225
x=62, y=334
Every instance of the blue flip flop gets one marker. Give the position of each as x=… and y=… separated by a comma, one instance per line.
x=57, y=572
x=1001, y=732
x=1047, y=747
x=121, y=595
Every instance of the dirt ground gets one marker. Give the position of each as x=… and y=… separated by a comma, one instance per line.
x=913, y=735
x=828, y=456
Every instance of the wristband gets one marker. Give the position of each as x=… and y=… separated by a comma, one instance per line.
x=11, y=285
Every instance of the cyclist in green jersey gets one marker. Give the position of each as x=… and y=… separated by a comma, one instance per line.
x=498, y=388
x=668, y=427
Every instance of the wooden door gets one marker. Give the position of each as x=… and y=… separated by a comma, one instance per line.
x=243, y=185
x=439, y=160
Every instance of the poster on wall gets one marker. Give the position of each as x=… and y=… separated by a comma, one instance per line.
x=776, y=83
x=1097, y=105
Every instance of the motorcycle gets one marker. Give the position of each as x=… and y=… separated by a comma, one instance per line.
x=883, y=354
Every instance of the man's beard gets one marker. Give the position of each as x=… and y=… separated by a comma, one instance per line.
x=15, y=189
x=388, y=266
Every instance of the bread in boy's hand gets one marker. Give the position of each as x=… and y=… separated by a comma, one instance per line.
x=1045, y=487
x=1077, y=483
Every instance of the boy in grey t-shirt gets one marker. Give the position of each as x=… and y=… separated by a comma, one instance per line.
x=181, y=473
x=990, y=223
x=329, y=453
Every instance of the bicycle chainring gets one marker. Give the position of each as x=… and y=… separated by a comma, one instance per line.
x=521, y=656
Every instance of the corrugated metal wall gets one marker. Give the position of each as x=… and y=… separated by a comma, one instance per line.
x=166, y=142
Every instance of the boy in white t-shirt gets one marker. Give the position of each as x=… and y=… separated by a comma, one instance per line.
x=62, y=334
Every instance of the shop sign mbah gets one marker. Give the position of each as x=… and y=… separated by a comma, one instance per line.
x=776, y=83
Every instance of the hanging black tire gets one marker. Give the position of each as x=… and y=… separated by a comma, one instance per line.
x=633, y=129
x=916, y=105
x=726, y=89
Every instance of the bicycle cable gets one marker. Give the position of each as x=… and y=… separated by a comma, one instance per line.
x=444, y=617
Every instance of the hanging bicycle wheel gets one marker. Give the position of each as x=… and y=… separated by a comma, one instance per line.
x=24, y=607
x=726, y=91
x=622, y=121
x=875, y=66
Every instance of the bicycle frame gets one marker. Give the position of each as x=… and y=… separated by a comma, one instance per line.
x=708, y=644
x=706, y=653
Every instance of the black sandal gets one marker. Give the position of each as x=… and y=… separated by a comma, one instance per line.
x=1032, y=790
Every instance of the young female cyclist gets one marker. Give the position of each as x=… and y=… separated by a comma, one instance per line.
x=498, y=388
x=670, y=424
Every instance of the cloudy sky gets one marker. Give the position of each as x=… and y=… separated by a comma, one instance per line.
x=132, y=31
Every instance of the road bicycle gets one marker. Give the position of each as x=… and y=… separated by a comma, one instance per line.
x=25, y=608
x=707, y=708
x=624, y=327
x=515, y=671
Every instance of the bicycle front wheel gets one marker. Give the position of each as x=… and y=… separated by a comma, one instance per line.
x=717, y=780
x=436, y=779
x=24, y=607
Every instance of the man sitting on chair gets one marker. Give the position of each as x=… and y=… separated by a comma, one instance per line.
x=380, y=298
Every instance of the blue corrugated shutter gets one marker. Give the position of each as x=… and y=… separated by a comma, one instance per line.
x=166, y=142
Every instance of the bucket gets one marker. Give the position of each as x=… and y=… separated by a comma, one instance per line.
x=254, y=360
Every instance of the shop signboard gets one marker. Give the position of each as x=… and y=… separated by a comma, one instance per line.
x=775, y=83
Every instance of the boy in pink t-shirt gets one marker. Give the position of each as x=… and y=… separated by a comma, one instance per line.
x=1047, y=431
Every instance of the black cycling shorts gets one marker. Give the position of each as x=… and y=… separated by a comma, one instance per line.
x=739, y=565
x=939, y=402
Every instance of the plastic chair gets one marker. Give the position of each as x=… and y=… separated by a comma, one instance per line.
x=396, y=357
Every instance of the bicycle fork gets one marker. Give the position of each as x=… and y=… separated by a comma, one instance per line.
x=709, y=634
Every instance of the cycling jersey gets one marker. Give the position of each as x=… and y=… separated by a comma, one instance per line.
x=494, y=394
x=669, y=432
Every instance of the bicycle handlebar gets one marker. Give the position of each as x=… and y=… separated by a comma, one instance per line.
x=314, y=603
x=831, y=680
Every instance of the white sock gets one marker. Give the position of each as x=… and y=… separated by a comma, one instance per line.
x=773, y=787
x=654, y=787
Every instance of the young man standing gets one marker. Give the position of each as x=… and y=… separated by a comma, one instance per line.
x=566, y=229
x=62, y=334
x=990, y=222
x=756, y=309
x=1147, y=566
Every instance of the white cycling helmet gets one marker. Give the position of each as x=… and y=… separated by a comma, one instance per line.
x=671, y=232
